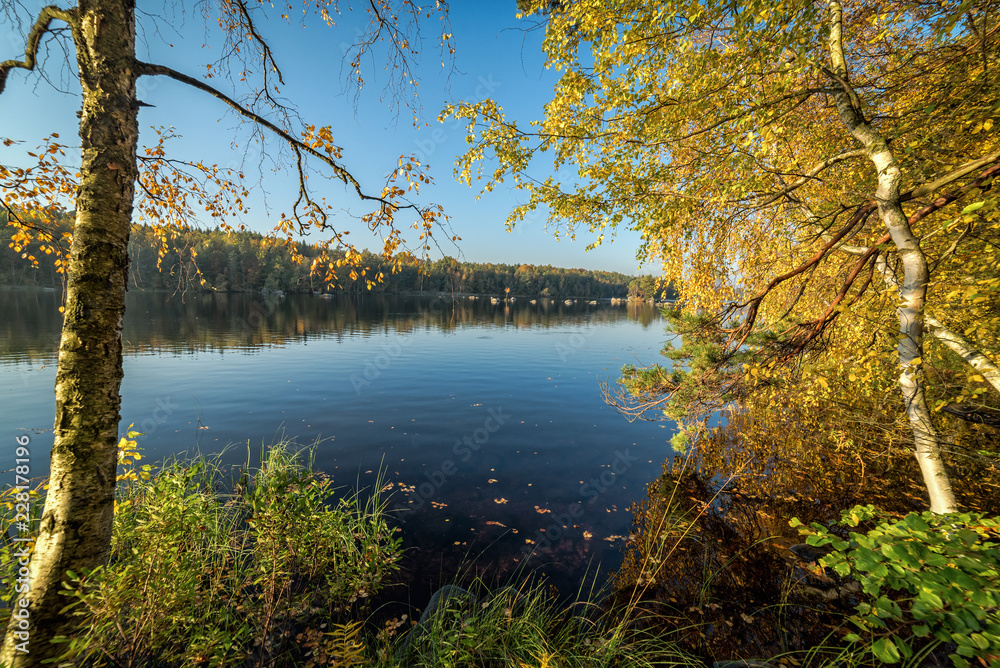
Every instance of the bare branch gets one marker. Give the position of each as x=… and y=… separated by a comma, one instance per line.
x=41, y=27
x=268, y=62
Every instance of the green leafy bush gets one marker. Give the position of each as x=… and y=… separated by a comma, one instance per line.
x=930, y=579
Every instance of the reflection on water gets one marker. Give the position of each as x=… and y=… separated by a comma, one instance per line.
x=704, y=567
x=486, y=419
x=712, y=558
x=156, y=322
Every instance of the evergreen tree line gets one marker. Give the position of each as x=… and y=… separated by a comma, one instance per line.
x=216, y=260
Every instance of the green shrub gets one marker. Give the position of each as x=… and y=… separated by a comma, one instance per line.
x=929, y=579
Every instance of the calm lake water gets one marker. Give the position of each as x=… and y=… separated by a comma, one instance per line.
x=486, y=420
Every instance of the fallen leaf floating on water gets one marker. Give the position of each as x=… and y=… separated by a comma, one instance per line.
x=542, y=511
x=496, y=524
x=529, y=541
x=587, y=535
x=491, y=480
x=613, y=538
x=500, y=500
x=435, y=504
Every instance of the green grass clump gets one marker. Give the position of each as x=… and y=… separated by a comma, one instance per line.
x=526, y=627
x=202, y=577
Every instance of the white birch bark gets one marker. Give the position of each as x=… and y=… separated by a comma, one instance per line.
x=912, y=288
x=975, y=358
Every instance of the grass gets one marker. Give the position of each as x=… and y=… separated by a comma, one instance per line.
x=210, y=571
x=527, y=627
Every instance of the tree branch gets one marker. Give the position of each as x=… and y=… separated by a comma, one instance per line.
x=948, y=198
x=268, y=63
x=951, y=177
x=149, y=69
x=941, y=201
x=957, y=343
x=45, y=17
x=811, y=174
x=753, y=304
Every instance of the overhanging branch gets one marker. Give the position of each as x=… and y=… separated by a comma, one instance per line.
x=753, y=305
x=149, y=69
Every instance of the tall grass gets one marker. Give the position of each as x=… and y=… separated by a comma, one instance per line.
x=526, y=626
x=205, y=570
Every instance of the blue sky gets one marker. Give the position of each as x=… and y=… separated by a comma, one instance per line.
x=495, y=56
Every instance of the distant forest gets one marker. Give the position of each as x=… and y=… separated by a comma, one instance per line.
x=251, y=262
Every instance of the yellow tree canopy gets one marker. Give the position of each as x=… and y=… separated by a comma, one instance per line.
x=792, y=165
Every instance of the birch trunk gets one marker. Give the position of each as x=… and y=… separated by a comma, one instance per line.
x=76, y=525
x=912, y=287
x=975, y=358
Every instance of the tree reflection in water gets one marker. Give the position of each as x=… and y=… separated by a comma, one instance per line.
x=708, y=560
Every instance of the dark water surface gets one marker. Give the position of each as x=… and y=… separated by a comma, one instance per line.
x=487, y=420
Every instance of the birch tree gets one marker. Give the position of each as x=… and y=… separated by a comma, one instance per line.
x=101, y=37
x=798, y=168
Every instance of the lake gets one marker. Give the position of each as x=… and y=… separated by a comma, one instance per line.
x=487, y=421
